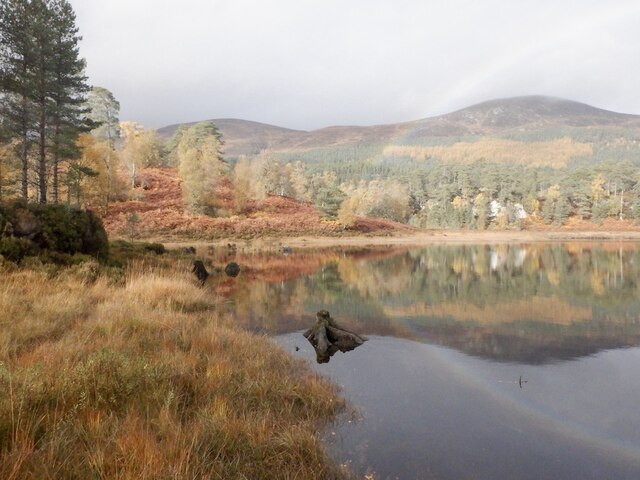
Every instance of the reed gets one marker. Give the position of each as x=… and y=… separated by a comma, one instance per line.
x=138, y=376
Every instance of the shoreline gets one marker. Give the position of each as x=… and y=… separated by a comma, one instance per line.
x=423, y=238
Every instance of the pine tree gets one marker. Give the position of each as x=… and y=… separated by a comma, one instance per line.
x=327, y=195
x=69, y=112
x=42, y=37
x=562, y=210
x=43, y=85
x=481, y=211
x=17, y=61
x=104, y=111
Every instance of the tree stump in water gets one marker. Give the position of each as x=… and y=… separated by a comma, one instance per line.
x=327, y=337
x=200, y=271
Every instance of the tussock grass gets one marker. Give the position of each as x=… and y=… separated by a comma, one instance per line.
x=139, y=378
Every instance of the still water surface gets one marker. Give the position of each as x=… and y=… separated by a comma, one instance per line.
x=452, y=331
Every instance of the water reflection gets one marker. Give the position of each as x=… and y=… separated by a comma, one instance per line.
x=464, y=373
x=516, y=303
x=428, y=412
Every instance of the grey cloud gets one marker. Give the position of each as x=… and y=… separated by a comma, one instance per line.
x=308, y=64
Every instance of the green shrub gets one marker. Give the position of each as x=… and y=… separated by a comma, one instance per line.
x=15, y=249
x=122, y=251
x=156, y=248
x=72, y=231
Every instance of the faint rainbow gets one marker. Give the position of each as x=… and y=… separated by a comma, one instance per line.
x=548, y=421
x=462, y=88
x=600, y=17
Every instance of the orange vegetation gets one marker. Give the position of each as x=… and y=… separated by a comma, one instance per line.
x=161, y=213
x=607, y=225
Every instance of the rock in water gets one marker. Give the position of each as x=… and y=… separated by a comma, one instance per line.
x=232, y=269
x=327, y=337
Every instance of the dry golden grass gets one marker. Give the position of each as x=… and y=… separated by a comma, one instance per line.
x=138, y=377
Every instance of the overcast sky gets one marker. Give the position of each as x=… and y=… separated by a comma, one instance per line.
x=308, y=64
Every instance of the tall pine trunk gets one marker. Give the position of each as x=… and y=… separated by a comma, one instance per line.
x=24, y=160
x=42, y=160
x=42, y=91
x=56, y=160
x=24, y=151
x=57, y=141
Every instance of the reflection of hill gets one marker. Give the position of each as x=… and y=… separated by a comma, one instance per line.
x=279, y=268
x=541, y=309
x=531, y=343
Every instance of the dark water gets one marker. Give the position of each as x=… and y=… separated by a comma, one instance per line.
x=452, y=332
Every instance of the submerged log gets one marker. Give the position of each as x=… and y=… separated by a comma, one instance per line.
x=327, y=337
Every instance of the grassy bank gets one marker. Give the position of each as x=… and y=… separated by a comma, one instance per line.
x=130, y=373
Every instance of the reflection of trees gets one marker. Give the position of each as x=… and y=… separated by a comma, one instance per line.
x=544, y=301
x=271, y=307
x=485, y=275
x=375, y=278
x=326, y=283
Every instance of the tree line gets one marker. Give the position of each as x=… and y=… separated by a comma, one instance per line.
x=427, y=193
x=437, y=194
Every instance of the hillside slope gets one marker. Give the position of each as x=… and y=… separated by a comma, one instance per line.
x=161, y=214
x=598, y=134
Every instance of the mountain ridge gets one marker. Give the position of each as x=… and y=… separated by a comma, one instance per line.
x=513, y=116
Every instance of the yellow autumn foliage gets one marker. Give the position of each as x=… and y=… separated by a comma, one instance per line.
x=554, y=153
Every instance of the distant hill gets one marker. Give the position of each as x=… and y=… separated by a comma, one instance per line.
x=496, y=115
x=244, y=137
x=536, y=130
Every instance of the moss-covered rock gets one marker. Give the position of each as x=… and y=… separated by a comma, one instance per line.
x=52, y=228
